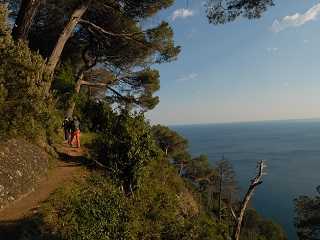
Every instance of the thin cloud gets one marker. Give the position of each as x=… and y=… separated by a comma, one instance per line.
x=189, y=77
x=274, y=49
x=296, y=20
x=191, y=34
x=182, y=13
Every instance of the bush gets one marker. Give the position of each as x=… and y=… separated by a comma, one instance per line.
x=125, y=147
x=98, y=209
x=63, y=85
x=24, y=107
x=95, y=209
x=96, y=116
x=255, y=225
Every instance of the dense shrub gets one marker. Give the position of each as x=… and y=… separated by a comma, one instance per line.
x=256, y=227
x=98, y=209
x=126, y=147
x=96, y=116
x=95, y=209
x=165, y=208
x=24, y=107
x=307, y=217
x=63, y=85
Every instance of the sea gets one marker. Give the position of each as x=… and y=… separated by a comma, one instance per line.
x=291, y=150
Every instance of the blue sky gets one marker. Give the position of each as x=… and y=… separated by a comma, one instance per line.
x=265, y=69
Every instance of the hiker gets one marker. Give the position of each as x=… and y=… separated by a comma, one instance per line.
x=69, y=127
x=75, y=132
x=66, y=128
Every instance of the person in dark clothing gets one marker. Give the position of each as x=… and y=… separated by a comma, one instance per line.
x=66, y=128
x=70, y=126
x=75, y=132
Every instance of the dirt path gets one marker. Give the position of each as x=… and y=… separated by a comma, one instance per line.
x=62, y=173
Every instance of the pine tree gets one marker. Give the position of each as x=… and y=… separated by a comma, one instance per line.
x=223, y=11
x=227, y=185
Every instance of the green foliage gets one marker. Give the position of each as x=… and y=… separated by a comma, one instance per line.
x=96, y=116
x=171, y=143
x=144, y=8
x=127, y=58
x=126, y=146
x=165, y=206
x=199, y=167
x=24, y=107
x=159, y=209
x=227, y=179
x=63, y=85
x=256, y=227
x=147, y=83
x=93, y=210
x=4, y=27
x=159, y=206
x=223, y=11
x=307, y=220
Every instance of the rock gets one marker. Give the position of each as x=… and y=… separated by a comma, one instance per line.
x=22, y=164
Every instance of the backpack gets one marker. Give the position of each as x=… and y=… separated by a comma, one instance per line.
x=75, y=125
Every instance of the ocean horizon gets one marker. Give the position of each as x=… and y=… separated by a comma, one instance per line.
x=316, y=119
x=291, y=149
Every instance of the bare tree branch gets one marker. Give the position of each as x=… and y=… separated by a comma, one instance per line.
x=233, y=213
x=128, y=36
x=108, y=32
x=254, y=183
x=97, y=84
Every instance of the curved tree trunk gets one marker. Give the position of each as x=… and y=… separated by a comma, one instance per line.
x=77, y=88
x=254, y=183
x=242, y=211
x=27, y=11
x=63, y=38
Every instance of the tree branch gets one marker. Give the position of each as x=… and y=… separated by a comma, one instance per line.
x=254, y=183
x=97, y=84
x=108, y=32
x=233, y=213
x=128, y=36
x=205, y=178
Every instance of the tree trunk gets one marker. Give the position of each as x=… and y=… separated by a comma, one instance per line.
x=77, y=88
x=27, y=11
x=254, y=183
x=64, y=37
x=220, y=194
x=181, y=169
x=242, y=211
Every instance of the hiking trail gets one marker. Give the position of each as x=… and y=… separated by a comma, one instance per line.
x=64, y=170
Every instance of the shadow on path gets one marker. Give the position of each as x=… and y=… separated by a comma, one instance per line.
x=30, y=228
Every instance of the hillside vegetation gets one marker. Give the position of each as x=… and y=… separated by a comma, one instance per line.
x=142, y=183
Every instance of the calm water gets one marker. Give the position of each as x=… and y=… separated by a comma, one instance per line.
x=292, y=151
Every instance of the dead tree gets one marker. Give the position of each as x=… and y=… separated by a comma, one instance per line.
x=254, y=183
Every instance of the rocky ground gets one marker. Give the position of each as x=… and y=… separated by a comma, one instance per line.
x=22, y=164
x=21, y=215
